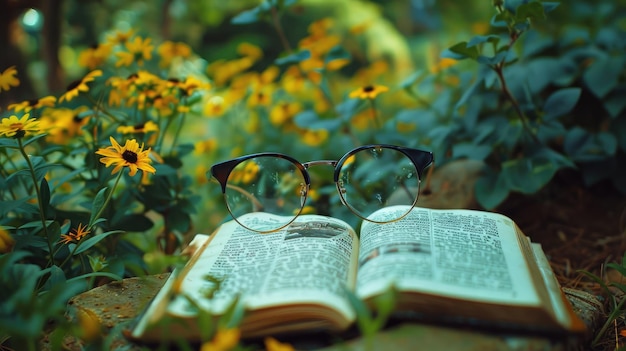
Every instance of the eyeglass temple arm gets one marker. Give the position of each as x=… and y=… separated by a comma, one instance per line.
x=258, y=206
x=427, y=189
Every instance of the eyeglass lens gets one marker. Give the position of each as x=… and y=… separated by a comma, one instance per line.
x=367, y=180
x=269, y=184
x=377, y=177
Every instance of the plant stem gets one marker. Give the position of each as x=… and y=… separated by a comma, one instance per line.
x=42, y=214
x=279, y=30
x=498, y=68
x=377, y=122
x=178, y=130
x=106, y=201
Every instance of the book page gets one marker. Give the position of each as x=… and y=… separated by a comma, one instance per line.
x=310, y=261
x=460, y=253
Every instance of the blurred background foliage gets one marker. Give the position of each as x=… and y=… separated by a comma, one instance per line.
x=531, y=89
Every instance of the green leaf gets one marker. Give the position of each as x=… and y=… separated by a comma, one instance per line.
x=615, y=103
x=95, y=274
x=408, y=82
x=87, y=244
x=97, y=205
x=134, y=223
x=252, y=15
x=528, y=175
x=603, y=75
x=293, y=58
x=583, y=146
x=549, y=6
x=34, y=138
x=464, y=51
x=491, y=189
x=336, y=53
x=310, y=120
x=480, y=39
x=471, y=151
x=532, y=11
x=561, y=102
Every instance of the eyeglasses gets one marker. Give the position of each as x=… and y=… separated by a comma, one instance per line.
x=367, y=179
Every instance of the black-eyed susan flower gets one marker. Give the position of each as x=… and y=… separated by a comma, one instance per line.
x=368, y=92
x=75, y=235
x=130, y=155
x=62, y=124
x=137, y=50
x=29, y=105
x=170, y=50
x=94, y=56
x=284, y=112
x=139, y=128
x=8, y=78
x=19, y=127
x=119, y=37
x=80, y=85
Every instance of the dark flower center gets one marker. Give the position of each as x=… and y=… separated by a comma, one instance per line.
x=139, y=126
x=94, y=46
x=129, y=156
x=77, y=119
x=74, y=84
x=368, y=89
x=33, y=102
x=133, y=76
x=19, y=134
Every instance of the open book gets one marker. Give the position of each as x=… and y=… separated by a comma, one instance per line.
x=452, y=266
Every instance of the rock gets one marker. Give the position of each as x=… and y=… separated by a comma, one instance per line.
x=450, y=186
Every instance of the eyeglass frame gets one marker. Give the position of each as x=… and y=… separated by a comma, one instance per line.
x=221, y=171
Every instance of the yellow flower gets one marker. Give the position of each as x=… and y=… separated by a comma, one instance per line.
x=442, y=64
x=224, y=340
x=94, y=56
x=249, y=50
x=90, y=325
x=63, y=124
x=282, y=113
x=120, y=37
x=6, y=241
x=169, y=50
x=192, y=84
x=19, y=127
x=8, y=79
x=314, y=137
x=75, y=235
x=215, y=107
x=261, y=97
x=139, y=128
x=337, y=64
x=368, y=92
x=138, y=50
x=205, y=146
x=272, y=344
x=79, y=86
x=292, y=81
x=28, y=105
x=130, y=155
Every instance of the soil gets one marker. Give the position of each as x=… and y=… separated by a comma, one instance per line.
x=581, y=228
